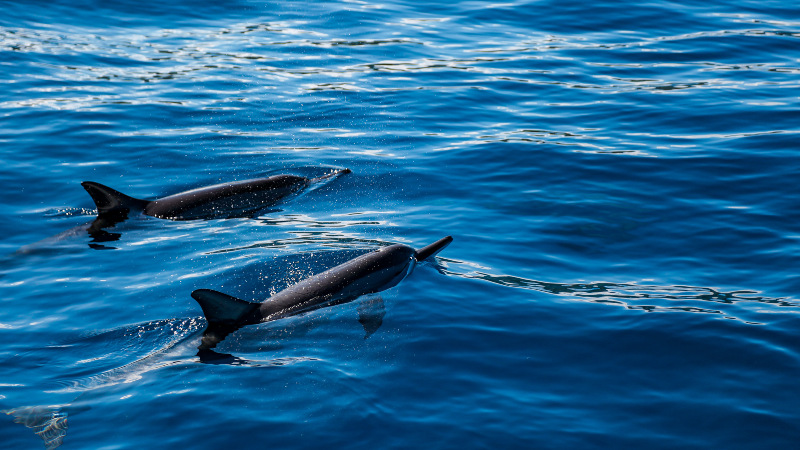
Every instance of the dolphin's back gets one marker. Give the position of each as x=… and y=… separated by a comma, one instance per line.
x=227, y=199
x=372, y=272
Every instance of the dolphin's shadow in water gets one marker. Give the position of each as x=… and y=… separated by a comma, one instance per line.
x=96, y=229
x=370, y=314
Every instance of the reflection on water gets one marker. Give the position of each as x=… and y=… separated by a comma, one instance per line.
x=46, y=422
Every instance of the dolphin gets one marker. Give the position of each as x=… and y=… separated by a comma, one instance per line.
x=233, y=199
x=369, y=273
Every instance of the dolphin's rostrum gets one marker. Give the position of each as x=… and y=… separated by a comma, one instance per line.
x=366, y=274
x=234, y=199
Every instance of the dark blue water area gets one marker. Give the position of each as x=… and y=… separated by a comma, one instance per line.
x=619, y=179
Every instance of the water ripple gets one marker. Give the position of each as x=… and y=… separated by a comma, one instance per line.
x=633, y=296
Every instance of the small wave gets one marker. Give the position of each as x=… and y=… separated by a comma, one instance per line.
x=316, y=238
x=634, y=296
x=151, y=340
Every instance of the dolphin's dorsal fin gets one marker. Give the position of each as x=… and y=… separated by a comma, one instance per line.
x=109, y=200
x=222, y=308
x=431, y=250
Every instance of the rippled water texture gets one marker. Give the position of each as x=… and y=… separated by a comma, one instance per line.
x=619, y=180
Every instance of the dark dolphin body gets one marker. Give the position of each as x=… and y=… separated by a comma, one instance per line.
x=366, y=274
x=234, y=199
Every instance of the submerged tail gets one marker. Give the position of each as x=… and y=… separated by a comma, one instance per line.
x=110, y=201
x=431, y=250
x=221, y=308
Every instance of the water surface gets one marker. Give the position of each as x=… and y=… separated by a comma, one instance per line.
x=619, y=179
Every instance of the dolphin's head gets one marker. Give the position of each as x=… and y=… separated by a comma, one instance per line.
x=396, y=254
x=396, y=262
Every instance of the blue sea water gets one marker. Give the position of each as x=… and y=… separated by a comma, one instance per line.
x=620, y=179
